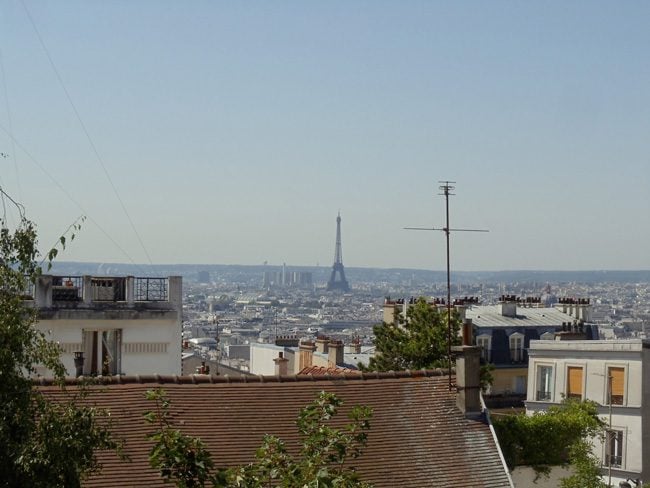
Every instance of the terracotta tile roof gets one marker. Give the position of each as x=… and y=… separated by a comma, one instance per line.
x=322, y=370
x=417, y=437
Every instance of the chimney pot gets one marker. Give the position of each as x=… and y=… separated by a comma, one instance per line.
x=281, y=365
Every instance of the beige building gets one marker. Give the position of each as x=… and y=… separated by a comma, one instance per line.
x=614, y=374
x=112, y=325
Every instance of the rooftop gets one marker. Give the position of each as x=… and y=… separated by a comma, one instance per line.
x=491, y=316
x=418, y=437
x=121, y=297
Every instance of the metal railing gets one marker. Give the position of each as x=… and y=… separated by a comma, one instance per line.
x=151, y=290
x=67, y=288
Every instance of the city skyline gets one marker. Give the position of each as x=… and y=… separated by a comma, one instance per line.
x=234, y=133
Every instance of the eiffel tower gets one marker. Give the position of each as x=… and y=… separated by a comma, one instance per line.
x=341, y=283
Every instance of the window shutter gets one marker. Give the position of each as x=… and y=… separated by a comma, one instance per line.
x=574, y=387
x=618, y=384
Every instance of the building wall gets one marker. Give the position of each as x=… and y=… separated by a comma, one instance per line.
x=262, y=356
x=510, y=380
x=148, y=346
x=526, y=477
x=149, y=319
x=595, y=357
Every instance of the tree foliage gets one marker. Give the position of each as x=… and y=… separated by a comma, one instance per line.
x=556, y=437
x=42, y=443
x=321, y=462
x=415, y=342
x=586, y=467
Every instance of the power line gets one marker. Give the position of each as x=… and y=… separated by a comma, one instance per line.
x=87, y=134
x=70, y=197
x=9, y=121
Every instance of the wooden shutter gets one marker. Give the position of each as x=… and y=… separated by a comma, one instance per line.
x=617, y=376
x=574, y=386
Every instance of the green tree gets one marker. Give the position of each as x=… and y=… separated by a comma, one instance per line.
x=185, y=461
x=559, y=436
x=42, y=442
x=586, y=467
x=417, y=342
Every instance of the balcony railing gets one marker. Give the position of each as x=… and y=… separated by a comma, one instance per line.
x=151, y=290
x=80, y=291
x=67, y=288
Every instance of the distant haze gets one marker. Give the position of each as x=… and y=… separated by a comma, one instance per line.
x=235, y=131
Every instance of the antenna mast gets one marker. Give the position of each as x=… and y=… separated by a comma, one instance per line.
x=446, y=188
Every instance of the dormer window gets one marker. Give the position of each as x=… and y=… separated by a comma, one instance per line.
x=517, y=347
x=484, y=341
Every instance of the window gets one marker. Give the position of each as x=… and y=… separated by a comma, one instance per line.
x=547, y=336
x=574, y=382
x=544, y=383
x=102, y=352
x=485, y=343
x=520, y=384
x=616, y=389
x=517, y=347
x=614, y=448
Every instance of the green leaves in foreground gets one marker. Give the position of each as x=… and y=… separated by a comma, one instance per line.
x=559, y=436
x=43, y=442
x=321, y=461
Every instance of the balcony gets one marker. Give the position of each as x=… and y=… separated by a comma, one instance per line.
x=101, y=293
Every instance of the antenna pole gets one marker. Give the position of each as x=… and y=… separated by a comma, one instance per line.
x=446, y=189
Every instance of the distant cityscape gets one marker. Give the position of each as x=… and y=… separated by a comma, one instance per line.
x=256, y=303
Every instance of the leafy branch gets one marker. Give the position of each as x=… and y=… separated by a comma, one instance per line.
x=74, y=228
x=322, y=460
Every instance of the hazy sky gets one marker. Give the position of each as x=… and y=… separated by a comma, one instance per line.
x=235, y=131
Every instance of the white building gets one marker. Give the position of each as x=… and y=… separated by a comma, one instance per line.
x=118, y=325
x=614, y=374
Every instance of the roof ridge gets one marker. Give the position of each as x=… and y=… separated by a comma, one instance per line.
x=198, y=379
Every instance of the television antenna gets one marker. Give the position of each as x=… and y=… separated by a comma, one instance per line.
x=446, y=188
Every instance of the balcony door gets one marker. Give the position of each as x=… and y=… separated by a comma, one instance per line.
x=102, y=352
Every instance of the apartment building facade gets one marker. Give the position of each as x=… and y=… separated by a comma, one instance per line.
x=614, y=374
x=111, y=325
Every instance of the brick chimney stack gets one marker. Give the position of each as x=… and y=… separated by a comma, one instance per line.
x=335, y=353
x=468, y=366
x=321, y=344
x=281, y=365
x=306, y=355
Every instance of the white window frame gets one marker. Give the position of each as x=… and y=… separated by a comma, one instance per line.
x=550, y=382
x=625, y=381
x=484, y=341
x=584, y=378
x=518, y=355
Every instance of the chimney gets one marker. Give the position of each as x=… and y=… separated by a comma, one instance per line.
x=335, y=353
x=281, y=365
x=321, y=344
x=461, y=310
x=468, y=333
x=306, y=357
x=508, y=305
x=468, y=364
